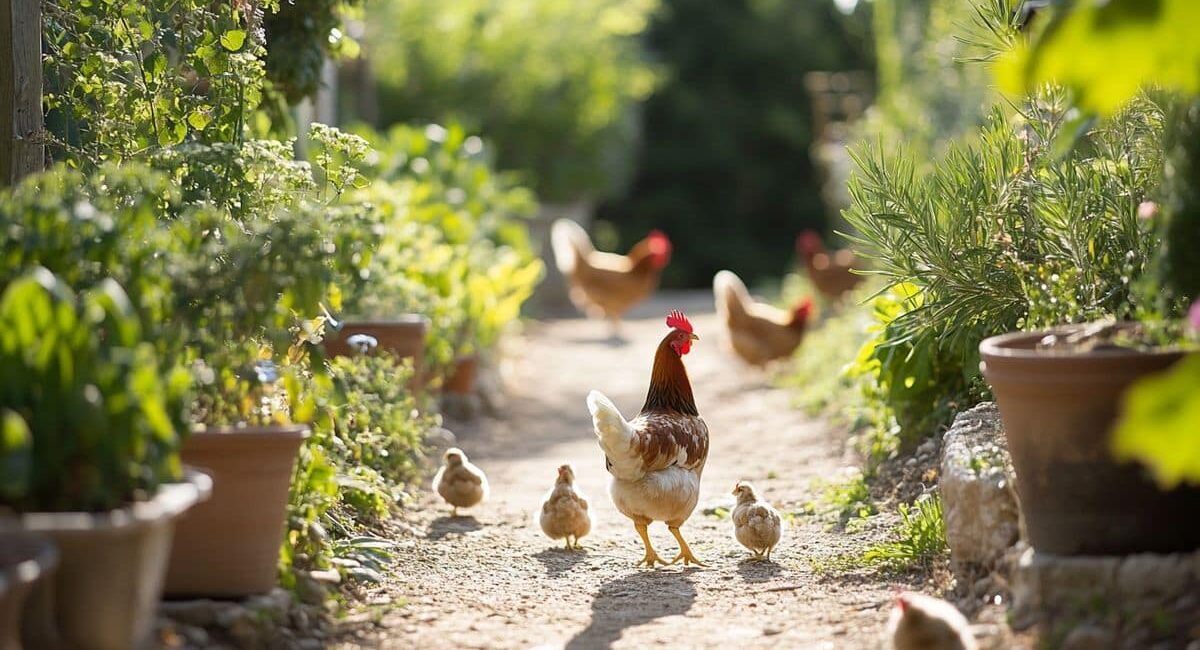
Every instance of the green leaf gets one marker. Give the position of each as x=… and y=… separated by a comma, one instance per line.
x=1106, y=51
x=1160, y=424
x=233, y=39
x=199, y=120
x=16, y=455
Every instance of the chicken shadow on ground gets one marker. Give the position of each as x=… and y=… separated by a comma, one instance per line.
x=635, y=600
x=558, y=560
x=445, y=526
x=753, y=570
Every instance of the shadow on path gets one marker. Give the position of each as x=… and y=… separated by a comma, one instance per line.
x=634, y=600
x=558, y=560
x=753, y=570
x=445, y=526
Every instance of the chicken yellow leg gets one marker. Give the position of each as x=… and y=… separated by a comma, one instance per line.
x=651, y=557
x=685, y=552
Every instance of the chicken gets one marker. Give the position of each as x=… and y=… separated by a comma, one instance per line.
x=830, y=273
x=564, y=512
x=921, y=622
x=461, y=484
x=606, y=285
x=756, y=332
x=756, y=525
x=657, y=458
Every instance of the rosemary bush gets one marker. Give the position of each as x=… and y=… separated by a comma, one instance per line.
x=1003, y=233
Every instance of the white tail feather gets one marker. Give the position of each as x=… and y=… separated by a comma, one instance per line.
x=730, y=293
x=616, y=437
x=569, y=240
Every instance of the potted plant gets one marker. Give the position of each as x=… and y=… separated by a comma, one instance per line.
x=1058, y=392
x=229, y=546
x=403, y=336
x=92, y=429
x=24, y=560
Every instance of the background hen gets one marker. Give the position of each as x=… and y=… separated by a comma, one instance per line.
x=657, y=458
x=606, y=285
x=757, y=332
x=829, y=272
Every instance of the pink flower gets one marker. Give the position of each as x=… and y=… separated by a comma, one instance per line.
x=1194, y=315
x=1147, y=210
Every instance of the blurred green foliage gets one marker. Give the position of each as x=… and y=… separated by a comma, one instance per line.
x=552, y=82
x=453, y=246
x=90, y=421
x=725, y=168
x=1105, y=52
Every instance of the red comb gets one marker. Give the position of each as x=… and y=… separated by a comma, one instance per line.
x=677, y=320
x=804, y=308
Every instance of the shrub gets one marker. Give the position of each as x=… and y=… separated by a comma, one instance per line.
x=90, y=422
x=552, y=82
x=1002, y=234
x=454, y=245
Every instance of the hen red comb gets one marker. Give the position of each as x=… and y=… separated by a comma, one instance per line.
x=677, y=320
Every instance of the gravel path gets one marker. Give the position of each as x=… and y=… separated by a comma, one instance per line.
x=491, y=580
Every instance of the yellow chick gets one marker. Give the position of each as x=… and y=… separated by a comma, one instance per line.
x=460, y=483
x=921, y=622
x=756, y=525
x=564, y=512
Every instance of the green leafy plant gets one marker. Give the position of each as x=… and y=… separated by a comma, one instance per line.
x=552, y=82
x=454, y=245
x=919, y=540
x=90, y=421
x=1003, y=233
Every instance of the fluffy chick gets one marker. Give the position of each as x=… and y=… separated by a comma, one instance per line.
x=460, y=483
x=920, y=622
x=756, y=525
x=564, y=512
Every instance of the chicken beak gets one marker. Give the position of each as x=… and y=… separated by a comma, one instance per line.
x=694, y=337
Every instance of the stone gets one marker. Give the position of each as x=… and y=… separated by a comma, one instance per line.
x=978, y=495
x=198, y=613
x=1089, y=637
x=310, y=590
x=274, y=604
x=1147, y=574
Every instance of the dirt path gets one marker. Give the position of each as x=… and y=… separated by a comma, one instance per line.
x=492, y=580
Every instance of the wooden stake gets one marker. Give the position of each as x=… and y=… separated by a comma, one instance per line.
x=21, y=149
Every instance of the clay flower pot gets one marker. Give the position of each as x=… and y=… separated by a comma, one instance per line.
x=1058, y=409
x=24, y=560
x=105, y=592
x=229, y=546
x=461, y=380
x=403, y=337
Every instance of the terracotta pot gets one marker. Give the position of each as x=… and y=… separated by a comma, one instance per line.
x=403, y=337
x=461, y=380
x=24, y=559
x=229, y=546
x=109, y=580
x=1058, y=410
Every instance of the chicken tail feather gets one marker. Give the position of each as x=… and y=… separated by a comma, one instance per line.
x=616, y=436
x=570, y=242
x=730, y=294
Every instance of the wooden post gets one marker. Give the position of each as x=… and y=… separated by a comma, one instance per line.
x=21, y=149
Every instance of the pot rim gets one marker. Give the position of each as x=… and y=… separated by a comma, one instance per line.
x=36, y=556
x=171, y=500
x=289, y=430
x=1001, y=347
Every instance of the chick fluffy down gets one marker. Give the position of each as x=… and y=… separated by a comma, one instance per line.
x=564, y=512
x=757, y=526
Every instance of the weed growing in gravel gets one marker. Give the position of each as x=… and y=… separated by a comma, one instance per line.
x=847, y=504
x=920, y=538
